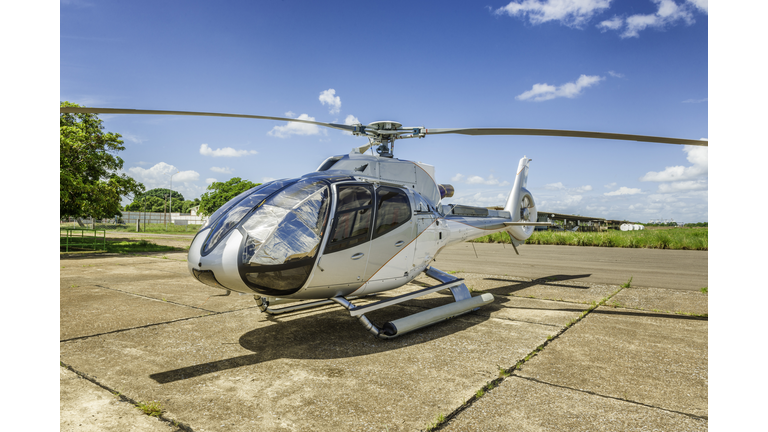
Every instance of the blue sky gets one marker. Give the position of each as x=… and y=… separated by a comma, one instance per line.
x=638, y=67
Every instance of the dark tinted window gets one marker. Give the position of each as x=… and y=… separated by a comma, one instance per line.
x=392, y=210
x=352, y=224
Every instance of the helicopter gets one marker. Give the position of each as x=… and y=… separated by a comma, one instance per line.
x=357, y=226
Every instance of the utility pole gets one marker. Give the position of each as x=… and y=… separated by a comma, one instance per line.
x=170, y=208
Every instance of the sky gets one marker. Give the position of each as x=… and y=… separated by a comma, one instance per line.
x=635, y=67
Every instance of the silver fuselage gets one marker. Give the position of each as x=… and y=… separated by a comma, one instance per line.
x=287, y=239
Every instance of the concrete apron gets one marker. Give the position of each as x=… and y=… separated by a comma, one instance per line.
x=143, y=327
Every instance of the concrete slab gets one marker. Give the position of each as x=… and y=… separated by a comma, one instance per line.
x=319, y=371
x=662, y=300
x=619, y=368
x=567, y=288
x=654, y=359
x=86, y=407
x=90, y=310
x=154, y=277
x=520, y=404
x=673, y=269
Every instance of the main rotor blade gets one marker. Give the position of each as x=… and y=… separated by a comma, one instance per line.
x=567, y=133
x=83, y=110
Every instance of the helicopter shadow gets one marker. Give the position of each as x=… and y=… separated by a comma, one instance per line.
x=515, y=286
x=329, y=335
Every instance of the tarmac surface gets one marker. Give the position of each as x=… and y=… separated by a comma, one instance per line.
x=563, y=347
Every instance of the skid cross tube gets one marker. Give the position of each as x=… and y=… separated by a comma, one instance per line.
x=463, y=303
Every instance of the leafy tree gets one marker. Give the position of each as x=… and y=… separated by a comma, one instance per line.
x=187, y=205
x=161, y=193
x=220, y=192
x=89, y=182
x=155, y=200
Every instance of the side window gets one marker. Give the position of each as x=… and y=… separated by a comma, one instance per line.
x=352, y=223
x=392, y=210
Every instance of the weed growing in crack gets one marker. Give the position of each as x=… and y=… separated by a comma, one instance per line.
x=440, y=418
x=152, y=409
x=703, y=290
x=628, y=284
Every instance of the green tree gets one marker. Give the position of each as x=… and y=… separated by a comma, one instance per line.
x=89, y=182
x=220, y=192
x=156, y=200
x=187, y=205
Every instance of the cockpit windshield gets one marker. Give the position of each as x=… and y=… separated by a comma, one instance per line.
x=288, y=226
x=236, y=209
x=282, y=237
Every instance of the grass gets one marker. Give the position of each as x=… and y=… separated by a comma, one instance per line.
x=439, y=419
x=628, y=284
x=135, y=246
x=149, y=228
x=704, y=290
x=675, y=238
x=152, y=409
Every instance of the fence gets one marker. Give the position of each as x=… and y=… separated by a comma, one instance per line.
x=161, y=218
x=130, y=219
x=77, y=239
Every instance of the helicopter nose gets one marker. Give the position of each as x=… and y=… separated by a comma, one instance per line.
x=218, y=268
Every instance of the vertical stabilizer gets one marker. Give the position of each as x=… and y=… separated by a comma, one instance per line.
x=520, y=204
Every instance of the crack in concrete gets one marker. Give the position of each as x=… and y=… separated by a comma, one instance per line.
x=155, y=299
x=589, y=392
x=154, y=324
x=507, y=373
x=124, y=398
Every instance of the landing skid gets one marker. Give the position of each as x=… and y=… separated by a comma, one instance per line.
x=464, y=303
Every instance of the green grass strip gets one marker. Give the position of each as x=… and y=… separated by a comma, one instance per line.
x=674, y=238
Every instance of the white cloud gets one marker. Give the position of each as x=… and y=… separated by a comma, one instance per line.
x=668, y=13
x=623, y=191
x=610, y=185
x=696, y=100
x=351, y=120
x=542, y=92
x=554, y=186
x=614, y=23
x=683, y=186
x=210, y=180
x=559, y=186
x=703, y=5
x=458, y=178
x=572, y=13
x=699, y=158
x=159, y=176
x=224, y=152
x=267, y=179
x=327, y=97
x=615, y=74
x=491, y=181
x=223, y=170
x=295, y=128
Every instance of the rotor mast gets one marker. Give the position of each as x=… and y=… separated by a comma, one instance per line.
x=383, y=135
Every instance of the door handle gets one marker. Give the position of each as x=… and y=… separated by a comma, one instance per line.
x=357, y=256
x=400, y=243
